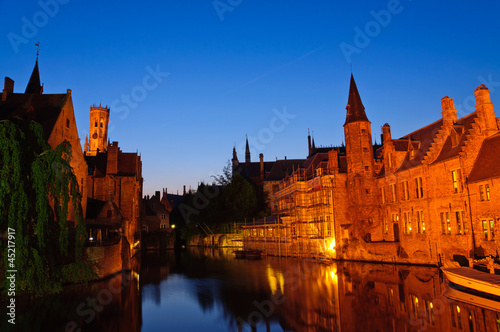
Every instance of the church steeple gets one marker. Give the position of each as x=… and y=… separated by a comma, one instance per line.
x=247, y=153
x=355, y=108
x=34, y=86
x=235, y=157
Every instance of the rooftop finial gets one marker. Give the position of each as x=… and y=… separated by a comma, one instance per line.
x=37, y=50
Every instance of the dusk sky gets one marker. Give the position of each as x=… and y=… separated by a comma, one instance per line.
x=187, y=80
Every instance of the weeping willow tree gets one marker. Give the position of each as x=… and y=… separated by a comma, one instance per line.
x=36, y=187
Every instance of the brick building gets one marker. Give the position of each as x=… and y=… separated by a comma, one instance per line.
x=422, y=198
x=56, y=115
x=114, y=184
x=157, y=212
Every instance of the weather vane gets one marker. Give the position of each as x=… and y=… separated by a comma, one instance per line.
x=37, y=49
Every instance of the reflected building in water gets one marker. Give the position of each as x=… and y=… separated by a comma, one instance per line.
x=290, y=295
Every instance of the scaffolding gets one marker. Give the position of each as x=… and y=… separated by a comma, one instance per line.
x=305, y=226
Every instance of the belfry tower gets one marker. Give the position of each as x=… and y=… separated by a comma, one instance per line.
x=99, y=120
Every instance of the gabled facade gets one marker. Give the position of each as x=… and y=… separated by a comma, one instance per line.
x=422, y=198
x=56, y=115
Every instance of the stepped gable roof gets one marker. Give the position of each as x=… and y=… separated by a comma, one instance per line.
x=426, y=136
x=42, y=108
x=487, y=162
x=283, y=167
x=462, y=127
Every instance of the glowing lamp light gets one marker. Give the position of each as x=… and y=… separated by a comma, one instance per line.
x=91, y=239
x=332, y=245
x=173, y=226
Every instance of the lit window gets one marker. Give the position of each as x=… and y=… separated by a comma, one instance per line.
x=420, y=222
x=481, y=193
x=487, y=187
x=445, y=223
x=460, y=222
x=455, y=176
x=407, y=222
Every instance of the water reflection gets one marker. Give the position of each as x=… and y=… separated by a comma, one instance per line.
x=220, y=293
x=209, y=290
x=109, y=305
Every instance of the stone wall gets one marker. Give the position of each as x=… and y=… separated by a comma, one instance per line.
x=108, y=260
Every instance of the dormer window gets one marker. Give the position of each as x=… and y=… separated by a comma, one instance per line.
x=454, y=138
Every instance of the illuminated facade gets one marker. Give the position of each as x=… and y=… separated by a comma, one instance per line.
x=422, y=198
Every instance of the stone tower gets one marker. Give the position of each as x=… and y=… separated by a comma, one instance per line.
x=99, y=119
x=358, y=136
x=363, y=210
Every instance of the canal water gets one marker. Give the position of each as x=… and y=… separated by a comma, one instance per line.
x=210, y=290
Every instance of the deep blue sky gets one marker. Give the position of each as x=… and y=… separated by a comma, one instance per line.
x=226, y=76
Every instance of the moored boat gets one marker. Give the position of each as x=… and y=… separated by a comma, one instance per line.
x=254, y=254
x=471, y=279
x=240, y=253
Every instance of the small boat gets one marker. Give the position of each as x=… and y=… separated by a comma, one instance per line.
x=476, y=300
x=471, y=279
x=254, y=254
x=240, y=253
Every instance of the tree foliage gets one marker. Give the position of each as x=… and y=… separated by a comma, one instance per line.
x=36, y=187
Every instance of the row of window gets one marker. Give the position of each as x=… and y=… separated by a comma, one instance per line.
x=484, y=190
x=418, y=193
x=488, y=225
x=313, y=230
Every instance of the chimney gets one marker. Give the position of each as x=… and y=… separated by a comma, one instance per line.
x=8, y=87
x=386, y=133
x=184, y=192
x=484, y=109
x=113, y=153
x=449, y=112
x=157, y=194
x=333, y=161
x=261, y=157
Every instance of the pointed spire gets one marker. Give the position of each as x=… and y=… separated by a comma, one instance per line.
x=313, y=144
x=247, y=153
x=309, y=142
x=86, y=146
x=355, y=108
x=34, y=86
